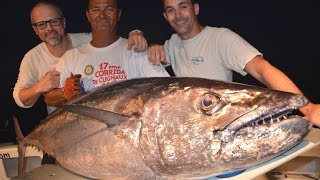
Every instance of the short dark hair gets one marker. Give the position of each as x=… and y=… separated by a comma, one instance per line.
x=192, y=1
x=49, y=3
x=119, y=4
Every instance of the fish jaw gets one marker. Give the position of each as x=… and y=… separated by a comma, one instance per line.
x=253, y=145
x=270, y=110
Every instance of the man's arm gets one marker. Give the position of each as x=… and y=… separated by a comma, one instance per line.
x=273, y=78
x=270, y=76
x=29, y=96
x=72, y=88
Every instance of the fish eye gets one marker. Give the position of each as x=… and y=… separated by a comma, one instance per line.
x=208, y=102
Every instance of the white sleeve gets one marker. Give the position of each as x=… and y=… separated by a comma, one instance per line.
x=25, y=80
x=236, y=51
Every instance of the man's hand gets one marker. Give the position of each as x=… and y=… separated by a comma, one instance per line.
x=72, y=87
x=137, y=41
x=312, y=112
x=156, y=54
x=29, y=96
x=50, y=81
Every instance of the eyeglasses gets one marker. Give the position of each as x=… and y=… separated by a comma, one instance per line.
x=43, y=24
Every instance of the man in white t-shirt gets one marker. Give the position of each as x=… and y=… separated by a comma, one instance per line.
x=209, y=52
x=37, y=70
x=105, y=59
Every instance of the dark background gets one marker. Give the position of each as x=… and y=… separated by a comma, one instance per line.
x=285, y=31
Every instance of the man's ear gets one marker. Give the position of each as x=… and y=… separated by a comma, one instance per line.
x=196, y=8
x=34, y=29
x=64, y=23
x=87, y=14
x=119, y=15
x=165, y=16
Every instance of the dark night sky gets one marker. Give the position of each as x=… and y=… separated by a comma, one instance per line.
x=285, y=31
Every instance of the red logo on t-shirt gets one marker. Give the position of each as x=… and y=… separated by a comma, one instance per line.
x=108, y=73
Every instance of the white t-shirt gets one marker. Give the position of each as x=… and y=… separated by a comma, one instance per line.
x=214, y=53
x=105, y=65
x=37, y=62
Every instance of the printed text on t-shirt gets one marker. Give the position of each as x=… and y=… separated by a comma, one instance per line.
x=108, y=73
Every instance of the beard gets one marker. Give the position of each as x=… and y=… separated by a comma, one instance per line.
x=54, y=38
x=54, y=42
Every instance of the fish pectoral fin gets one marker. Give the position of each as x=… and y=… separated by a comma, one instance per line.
x=107, y=117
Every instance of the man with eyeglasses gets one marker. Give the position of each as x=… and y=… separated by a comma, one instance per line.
x=37, y=73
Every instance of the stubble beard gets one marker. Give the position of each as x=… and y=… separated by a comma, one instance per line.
x=55, y=41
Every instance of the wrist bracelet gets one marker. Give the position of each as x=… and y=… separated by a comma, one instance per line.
x=63, y=94
x=137, y=30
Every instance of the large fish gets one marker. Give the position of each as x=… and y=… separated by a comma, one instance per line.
x=170, y=128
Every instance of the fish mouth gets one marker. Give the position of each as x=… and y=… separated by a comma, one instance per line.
x=272, y=118
x=261, y=117
x=269, y=120
x=270, y=114
x=257, y=118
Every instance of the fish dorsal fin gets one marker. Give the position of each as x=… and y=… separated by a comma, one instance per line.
x=107, y=117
